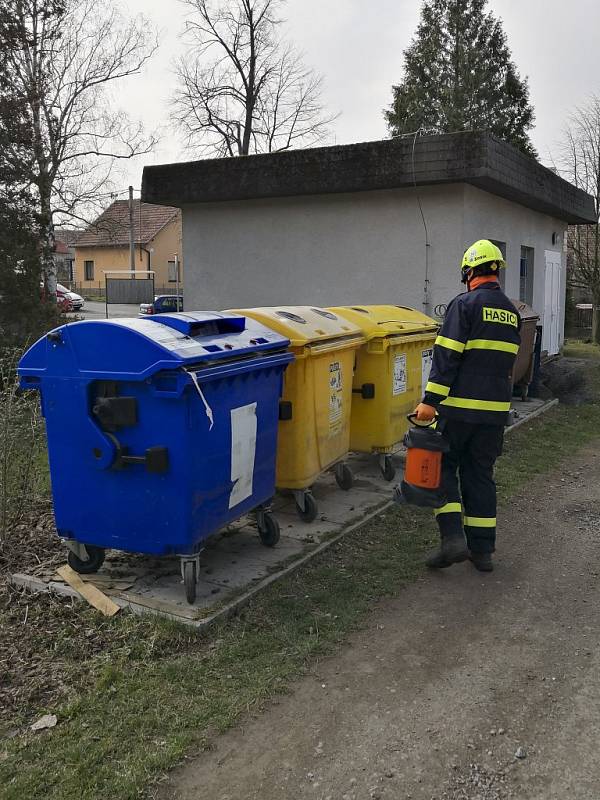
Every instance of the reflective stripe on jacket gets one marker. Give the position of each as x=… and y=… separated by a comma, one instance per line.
x=473, y=357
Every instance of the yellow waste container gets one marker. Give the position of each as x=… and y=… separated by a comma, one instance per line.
x=314, y=426
x=392, y=368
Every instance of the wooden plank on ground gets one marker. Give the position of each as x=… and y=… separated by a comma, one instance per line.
x=89, y=592
x=102, y=582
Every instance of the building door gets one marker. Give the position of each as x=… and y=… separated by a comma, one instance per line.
x=552, y=296
x=526, y=276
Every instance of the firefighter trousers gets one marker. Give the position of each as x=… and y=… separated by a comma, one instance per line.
x=468, y=479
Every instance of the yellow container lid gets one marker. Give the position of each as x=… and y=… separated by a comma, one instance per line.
x=383, y=321
x=305, y=325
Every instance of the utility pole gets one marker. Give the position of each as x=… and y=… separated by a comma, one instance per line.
x=177, y=279
x=131, y=242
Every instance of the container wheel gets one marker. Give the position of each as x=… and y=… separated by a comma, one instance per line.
x=310, y=510
x=388, y=470
x=344, y=477
x=269, y=530
x=91, y=564
x=190, y=579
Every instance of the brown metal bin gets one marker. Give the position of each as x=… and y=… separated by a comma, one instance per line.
x=524, y=363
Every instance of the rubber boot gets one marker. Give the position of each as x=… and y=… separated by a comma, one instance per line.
x=453, y=549
x=482, y=561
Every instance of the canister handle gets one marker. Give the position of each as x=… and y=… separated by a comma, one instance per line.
x=413, y=419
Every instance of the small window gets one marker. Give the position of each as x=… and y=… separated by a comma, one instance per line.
x=526, y=276
x=172, y=272
x=89, y=270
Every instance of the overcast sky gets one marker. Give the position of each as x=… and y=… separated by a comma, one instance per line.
x=357, y=46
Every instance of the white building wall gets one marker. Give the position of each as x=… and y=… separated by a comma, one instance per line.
x=491, y=217
x=364, y=247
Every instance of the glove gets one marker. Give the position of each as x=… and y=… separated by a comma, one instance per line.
x=425, y=413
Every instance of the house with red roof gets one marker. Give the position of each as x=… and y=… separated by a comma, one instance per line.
x=104, y=246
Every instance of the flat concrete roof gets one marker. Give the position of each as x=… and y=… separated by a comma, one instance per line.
x=474, y=157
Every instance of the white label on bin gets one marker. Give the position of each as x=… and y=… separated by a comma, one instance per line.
x=243, y=452
x=336, y=397
x=426, y=362
x=400, y=377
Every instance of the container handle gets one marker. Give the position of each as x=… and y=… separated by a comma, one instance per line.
x=155, y=459
x=412, y=418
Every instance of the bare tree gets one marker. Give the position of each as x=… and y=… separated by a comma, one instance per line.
x=69, y=54
x=581, y=164
x=241, y=88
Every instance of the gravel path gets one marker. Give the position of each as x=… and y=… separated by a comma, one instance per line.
x=467, y=687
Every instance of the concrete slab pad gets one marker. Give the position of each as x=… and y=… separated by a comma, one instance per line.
x=235, y=565
x=527, y=410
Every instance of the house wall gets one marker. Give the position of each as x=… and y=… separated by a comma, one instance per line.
x=164, y=245
x=104, y=258
x=364, y=247
x=490, y=217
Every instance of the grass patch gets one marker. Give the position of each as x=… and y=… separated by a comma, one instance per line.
x=576, y=348
x=163, y=690
x=144, y=712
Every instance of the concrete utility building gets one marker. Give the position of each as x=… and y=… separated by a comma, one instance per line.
x=379, y=222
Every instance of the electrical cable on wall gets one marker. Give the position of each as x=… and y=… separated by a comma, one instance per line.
x=426, y=282
x=427, y=243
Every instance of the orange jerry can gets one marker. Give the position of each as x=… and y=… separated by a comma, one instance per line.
x=421, y=485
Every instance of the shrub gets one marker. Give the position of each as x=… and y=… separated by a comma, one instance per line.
x=23, y=473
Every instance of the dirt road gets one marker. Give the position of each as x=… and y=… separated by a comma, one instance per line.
x=447, y=684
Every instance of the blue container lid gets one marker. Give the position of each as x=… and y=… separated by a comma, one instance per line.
x=135, y=349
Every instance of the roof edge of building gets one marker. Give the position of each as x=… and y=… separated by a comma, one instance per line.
x=475, y=157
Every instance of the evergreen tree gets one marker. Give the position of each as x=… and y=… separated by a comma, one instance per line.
x=458, y=75
x=23, y=314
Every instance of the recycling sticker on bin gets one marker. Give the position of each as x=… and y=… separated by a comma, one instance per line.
x=243, y=452
x=426, y=362
x=400, y=375
x=336, y=397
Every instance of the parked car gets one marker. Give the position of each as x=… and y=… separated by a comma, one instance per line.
x=163, y=304
x=63, y=298
x=77, y=301
x=64, y=303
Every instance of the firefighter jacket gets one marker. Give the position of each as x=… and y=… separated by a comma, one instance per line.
x=473, y=357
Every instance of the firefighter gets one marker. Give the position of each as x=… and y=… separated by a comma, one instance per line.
x=470, y=389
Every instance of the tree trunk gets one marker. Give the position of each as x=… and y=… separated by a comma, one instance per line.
x=47, y=244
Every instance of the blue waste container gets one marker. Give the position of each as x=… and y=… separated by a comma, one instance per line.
x=160, y=431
